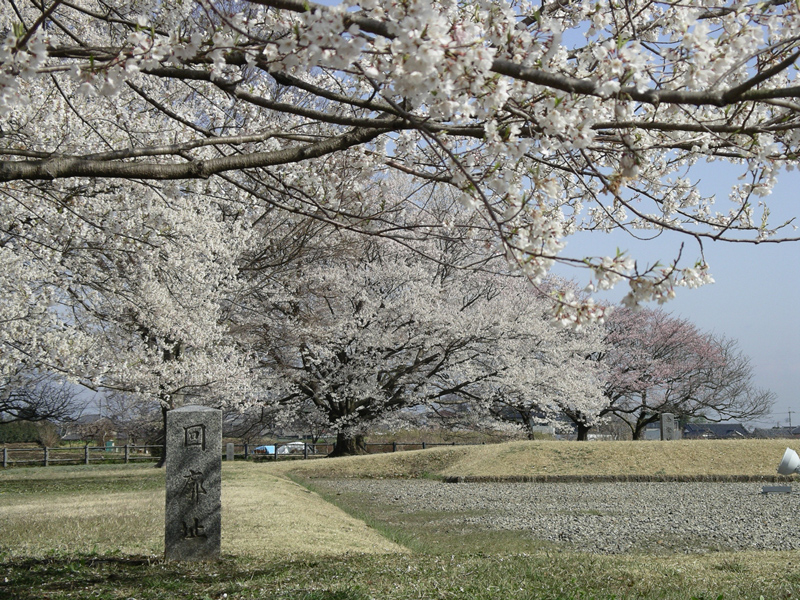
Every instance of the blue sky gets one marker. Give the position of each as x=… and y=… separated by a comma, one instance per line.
x=756, y=295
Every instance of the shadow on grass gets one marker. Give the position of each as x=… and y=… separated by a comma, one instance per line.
x=138, y=577
x=545, y=576
x=152, y=578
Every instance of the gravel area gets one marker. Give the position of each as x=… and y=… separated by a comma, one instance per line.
x=605, y=518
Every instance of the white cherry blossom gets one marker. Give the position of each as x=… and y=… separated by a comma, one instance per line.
x=154, y=151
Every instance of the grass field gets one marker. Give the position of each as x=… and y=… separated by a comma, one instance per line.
x=97, y=532
x=700, y=458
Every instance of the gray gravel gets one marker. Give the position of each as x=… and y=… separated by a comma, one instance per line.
x=606, y=518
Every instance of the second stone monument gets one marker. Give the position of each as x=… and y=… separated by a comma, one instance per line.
x=194, y=464
x=668, y=429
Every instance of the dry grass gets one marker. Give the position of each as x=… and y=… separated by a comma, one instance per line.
x=718, y=458
x=80, y=510
x=265, y=515
x=121, y=508
x=127, y=523
x=56, y=510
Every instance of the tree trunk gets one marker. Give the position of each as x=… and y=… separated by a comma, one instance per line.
x=637, y=431
x=528, y=423
x=583, y=431
x=349, y=445
x=641, y=424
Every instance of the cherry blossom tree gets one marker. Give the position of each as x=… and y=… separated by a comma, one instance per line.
x=554, y=369
x=543, y=370
x=547, y=118
x=659, y=363
x=651, y=352
x=370, y=334
x=123, y=297
x=721, y=389
x=159, y=157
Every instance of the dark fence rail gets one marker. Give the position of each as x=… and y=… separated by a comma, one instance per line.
x=134, y=453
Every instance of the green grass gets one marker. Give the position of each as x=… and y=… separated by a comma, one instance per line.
x=405, y=577
x=96, y=532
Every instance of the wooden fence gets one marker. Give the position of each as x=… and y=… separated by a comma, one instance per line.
x=78, y=455
x=134, y=453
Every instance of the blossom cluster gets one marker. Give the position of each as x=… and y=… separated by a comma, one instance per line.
x=365, y=335
x=164, y=161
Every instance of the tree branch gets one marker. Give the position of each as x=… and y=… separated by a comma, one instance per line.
x=62, y=167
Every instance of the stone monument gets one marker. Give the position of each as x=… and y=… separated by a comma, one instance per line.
x=229, y=453
x=668, y=429
x=194, y=464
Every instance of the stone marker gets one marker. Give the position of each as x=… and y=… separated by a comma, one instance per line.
x=229, y=451
x=194, y=463
x=668, y=430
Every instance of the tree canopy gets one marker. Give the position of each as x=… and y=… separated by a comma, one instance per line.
x=368, y=335
x=547, y=117
x=161, y=159
x=657, y=363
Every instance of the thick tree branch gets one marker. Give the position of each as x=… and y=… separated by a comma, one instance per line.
x=61, y=167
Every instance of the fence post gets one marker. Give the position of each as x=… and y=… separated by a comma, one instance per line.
x=86, y=454
x=46, y=455
x=305, y=450
x=5, y=457
x=127, y=454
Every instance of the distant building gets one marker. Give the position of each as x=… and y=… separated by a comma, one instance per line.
x=714, y=431
x=777, y=432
